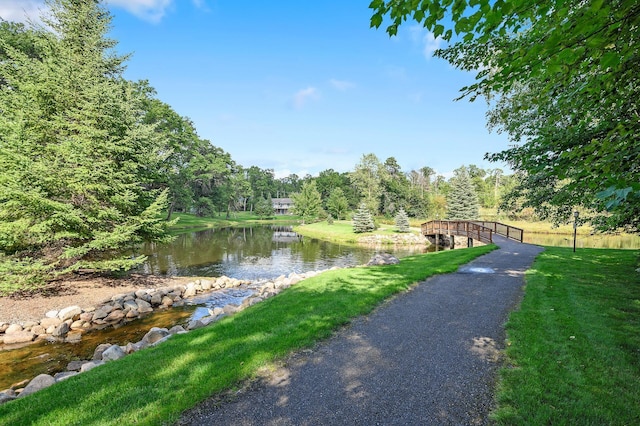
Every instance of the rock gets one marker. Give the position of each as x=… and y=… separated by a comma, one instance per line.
x=217, y=311
x=73, y=336
x=164, y=339
x=143, y=294
x=130, y=304
x=4, y=326
x=133, y=313
x=206, y=284
x=20, y=384
x=190, y=290
x=38, y=383
x=64, y=375
x=14, y=328
x=29, y=324
x=76, y=324
x=113, y=353
x=38, y=330
x=7, y=395
x=75, y=365
x=383, y=259
x=131, y=348
x=52, y=314
x=156, y=299
x=61, y=330
x=143, y=305
x=115, y=316
x=230, y=309
x=166, y=301
x=101, y=313
x=69, y=312
x=90, y=365
x=177, y=329
x=19, y=337
x=155, y=334
x=97, y=354
x=86, y=316
x=48, y=322
x=195, y=324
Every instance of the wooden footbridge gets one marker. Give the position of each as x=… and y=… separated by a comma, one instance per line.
x=441, y=230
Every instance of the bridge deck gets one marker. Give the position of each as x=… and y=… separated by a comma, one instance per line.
x=477, y=230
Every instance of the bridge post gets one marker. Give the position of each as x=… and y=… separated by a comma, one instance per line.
x=469, y=242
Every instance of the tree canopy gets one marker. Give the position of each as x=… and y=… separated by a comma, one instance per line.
x=561, y=76
x=75, y=156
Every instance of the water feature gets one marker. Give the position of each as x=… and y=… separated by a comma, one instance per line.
x=253, y=253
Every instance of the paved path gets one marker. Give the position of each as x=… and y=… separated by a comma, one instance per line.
x=427, y=357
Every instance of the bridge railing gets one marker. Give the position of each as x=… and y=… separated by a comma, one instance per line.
x=503, y=229
x=458, y=227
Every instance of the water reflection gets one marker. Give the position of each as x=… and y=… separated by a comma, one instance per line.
x=253, y=252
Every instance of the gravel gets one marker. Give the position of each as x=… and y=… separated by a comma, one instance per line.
x=428, y=356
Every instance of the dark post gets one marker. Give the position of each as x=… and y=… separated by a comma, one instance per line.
x=575, y=228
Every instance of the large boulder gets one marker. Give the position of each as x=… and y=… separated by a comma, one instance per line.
x=38, y=383
x=113, y=353
x=155, y=334
x=19, y=337
x=69, y=312
x=383, y=259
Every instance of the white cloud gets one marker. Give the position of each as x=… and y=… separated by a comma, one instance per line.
x=20, y=10
x=427, y=40
x=431, y=44
x=341, y=85
x=148, y=10
x=301, y=97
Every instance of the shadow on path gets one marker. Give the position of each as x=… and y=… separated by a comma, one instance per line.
x=429, y=356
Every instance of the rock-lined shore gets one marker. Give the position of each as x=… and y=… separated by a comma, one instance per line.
x=70, y=323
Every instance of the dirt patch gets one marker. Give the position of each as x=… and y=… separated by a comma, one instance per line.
x=86, y=292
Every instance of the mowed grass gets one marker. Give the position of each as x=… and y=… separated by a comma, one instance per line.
x=155, y=385
x=341, y=231
x=574, y=345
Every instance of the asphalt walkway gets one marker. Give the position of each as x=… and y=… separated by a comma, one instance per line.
x=428, y=357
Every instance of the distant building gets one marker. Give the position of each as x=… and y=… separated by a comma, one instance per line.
x=282, y=205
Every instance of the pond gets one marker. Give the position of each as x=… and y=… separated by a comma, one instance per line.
x=252, y=253
x=259, y=252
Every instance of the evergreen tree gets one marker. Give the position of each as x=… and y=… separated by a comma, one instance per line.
x=337, y=204
x=76, y=159
x=363, y=220
x=402, y=221
x=462, y=201
x=307, y=203
x=264, y=208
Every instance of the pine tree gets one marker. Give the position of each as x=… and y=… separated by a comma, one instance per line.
x=76, y=161
x=264, y=208
x=337, y=204
x=402, y=221
x=307, y=203
x=462, y=201
x=363, y=220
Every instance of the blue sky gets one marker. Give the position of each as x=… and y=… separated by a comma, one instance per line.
x=299, y=86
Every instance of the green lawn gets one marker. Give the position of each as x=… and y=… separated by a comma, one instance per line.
x=155, y=385
x=574, y=345
x=340, y=231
